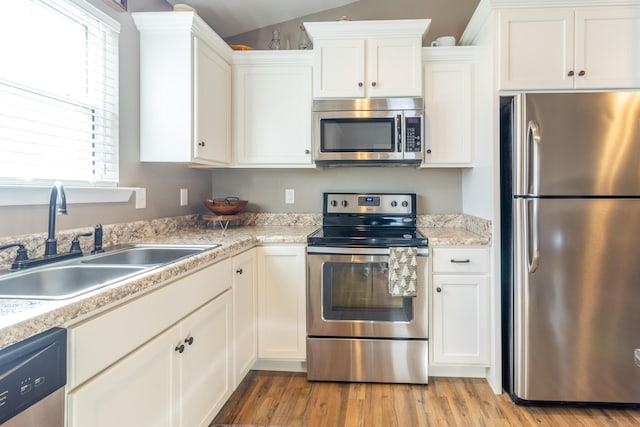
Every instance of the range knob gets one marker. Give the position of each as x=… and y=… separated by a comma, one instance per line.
x=333, y=203
x=405, y=204
x=344, y=203
x=394, y=204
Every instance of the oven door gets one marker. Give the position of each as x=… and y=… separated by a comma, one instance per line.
x=348, y=296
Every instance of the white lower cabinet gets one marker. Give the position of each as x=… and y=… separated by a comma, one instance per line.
x=245, y=313
x=181, y=377
x=164, y=359
x=141, y=390
x=282, y=302
x=460, y=307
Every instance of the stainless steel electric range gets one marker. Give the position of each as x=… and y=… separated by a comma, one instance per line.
x=356, y=329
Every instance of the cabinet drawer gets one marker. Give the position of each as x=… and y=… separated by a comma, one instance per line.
x=460, y=260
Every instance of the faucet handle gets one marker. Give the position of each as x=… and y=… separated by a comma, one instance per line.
x=75, y=243
x=22, y=251
x=97, y=240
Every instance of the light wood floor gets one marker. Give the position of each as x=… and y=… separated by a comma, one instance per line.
x=288, y=399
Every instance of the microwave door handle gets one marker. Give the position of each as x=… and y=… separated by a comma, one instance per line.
x=399, y=133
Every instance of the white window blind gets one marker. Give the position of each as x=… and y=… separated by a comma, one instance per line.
x=58, y=93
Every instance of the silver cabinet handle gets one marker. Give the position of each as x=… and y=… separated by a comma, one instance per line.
x=460, y=261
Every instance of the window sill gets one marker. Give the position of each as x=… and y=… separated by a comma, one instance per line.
x=22, y=195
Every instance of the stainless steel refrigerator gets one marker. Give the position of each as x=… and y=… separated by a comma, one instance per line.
x=570, y=207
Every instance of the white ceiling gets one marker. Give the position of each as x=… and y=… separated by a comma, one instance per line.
x=231, y=17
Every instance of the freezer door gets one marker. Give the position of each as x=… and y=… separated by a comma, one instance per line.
x=576, y=144
x=577, y=310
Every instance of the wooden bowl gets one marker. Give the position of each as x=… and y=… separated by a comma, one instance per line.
x=227, y=206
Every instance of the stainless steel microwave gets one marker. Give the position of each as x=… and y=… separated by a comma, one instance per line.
x=368, y=131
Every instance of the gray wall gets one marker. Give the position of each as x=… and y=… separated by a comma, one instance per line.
x=448, y=17
x=439, y=190
x=162, y=181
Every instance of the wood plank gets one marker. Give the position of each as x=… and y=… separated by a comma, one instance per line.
x=287, y=399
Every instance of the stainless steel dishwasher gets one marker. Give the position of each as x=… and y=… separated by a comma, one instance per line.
x=33, y=374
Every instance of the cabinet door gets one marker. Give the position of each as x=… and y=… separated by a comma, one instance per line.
x=607, y=47
x=448, y=114
x=536, y=49
x=206, y=361
x=272, y=115
x=212, y=106
x=460, y=320
x=140, y=390
x=245, y=312
x=338, y=70
x=394, y=67
x=282, y=302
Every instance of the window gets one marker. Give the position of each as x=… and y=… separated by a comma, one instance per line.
x=58, y=93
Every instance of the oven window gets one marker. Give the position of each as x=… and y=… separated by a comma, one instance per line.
x=360, y=291
x=348, y=135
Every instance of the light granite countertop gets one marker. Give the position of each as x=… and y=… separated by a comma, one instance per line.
x=20, y=319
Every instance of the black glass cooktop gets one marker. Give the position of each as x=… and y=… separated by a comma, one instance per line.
x=373, y=237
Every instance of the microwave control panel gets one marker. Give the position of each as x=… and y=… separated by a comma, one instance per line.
x=413, y=135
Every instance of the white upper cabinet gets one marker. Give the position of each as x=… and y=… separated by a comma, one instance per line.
x=448, y=101
x=185, y=90
x=367, y=59
x=577, y=48
x=272, y=109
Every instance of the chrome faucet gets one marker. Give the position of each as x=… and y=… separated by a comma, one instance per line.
x=57, y=205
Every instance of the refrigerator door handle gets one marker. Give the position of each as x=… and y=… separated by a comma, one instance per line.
x=532, y=159
x=532, y=235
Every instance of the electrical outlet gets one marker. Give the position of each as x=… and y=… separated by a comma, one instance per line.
x=141, y=198
x=289, y=196
x=184, y=196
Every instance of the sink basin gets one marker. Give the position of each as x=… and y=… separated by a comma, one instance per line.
x=54, y=282
x=63, y=282
x=145, y=255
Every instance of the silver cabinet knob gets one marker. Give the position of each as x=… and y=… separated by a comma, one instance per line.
x=374, y=84
x=307, y=151
x=429, y=151
x=438, y=289
x=360, y=84
x=581, y=73
x=570, y=73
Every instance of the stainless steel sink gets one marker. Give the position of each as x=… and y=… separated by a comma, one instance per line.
x=62, y=282
x=147, y=254
x=72, y=278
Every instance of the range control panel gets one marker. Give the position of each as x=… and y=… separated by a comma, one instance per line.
x=370, y=203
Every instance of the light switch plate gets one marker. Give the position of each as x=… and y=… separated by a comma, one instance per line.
x=289, y=196
x=141, y=198
x=184, y=196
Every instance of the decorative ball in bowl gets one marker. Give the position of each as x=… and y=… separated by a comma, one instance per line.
x=226, y=206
